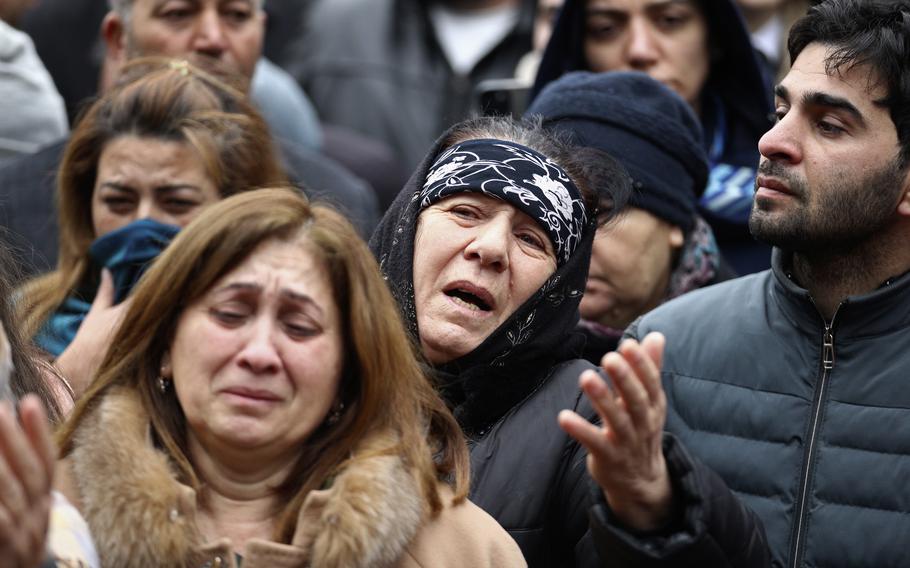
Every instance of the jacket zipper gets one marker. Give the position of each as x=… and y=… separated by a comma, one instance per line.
x=827, y=366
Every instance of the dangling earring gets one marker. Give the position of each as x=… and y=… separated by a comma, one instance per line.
x=164, y=383
x=335, y=416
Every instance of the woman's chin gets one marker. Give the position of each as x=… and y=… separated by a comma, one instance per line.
x=445, y=349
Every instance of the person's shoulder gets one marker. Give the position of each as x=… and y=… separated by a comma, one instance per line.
x=709, y=306
x=462, y=535
x=707, y=310
x=14, y=44
x=44, y=162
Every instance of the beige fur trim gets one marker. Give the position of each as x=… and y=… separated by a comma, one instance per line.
x=140, y=515
x=127, y=489
x=368, y=517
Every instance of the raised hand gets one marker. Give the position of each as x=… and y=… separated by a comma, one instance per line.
x=27, y=458
x=82, y=358
x=625, y=455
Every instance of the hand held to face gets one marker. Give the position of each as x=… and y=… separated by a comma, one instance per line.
x=27, y=457
x=81, y=359
x=625, y=455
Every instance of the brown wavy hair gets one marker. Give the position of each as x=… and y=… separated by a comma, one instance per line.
x=383, y=386
x=157, y=98
x=28, y=373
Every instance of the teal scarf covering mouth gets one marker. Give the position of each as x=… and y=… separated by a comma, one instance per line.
x=126, y=252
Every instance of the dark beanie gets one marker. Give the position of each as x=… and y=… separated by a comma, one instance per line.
x=644, y=125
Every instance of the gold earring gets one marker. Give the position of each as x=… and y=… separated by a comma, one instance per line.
x=335, y=416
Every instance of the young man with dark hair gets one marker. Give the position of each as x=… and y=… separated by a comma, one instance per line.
x=791, y=384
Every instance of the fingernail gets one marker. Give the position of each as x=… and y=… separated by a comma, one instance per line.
x=596, y=387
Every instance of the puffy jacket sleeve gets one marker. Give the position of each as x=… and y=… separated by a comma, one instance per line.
x=711, y=526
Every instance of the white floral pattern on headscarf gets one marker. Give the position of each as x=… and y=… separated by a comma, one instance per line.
x=526, y=179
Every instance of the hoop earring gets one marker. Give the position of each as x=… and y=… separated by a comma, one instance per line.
x=335, y=416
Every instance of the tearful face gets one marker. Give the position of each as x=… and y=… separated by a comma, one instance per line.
x=476, y=260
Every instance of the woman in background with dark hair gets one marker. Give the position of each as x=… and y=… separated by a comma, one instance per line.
x=701, y=50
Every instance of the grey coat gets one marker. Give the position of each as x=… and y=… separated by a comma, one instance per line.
x=807, y=421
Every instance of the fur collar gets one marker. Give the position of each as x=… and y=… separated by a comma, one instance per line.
x=140, y=515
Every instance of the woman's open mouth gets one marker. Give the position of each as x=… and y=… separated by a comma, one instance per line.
x=468, y=300
x=469, y=296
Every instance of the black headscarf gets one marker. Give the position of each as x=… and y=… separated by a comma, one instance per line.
x=518, y=356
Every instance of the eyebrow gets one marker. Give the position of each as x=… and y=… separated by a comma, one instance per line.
x=612, y=11
x=820, y=99
x=286, y=292
x=160, y=188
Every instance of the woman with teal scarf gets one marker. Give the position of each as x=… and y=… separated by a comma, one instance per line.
x=145, y=159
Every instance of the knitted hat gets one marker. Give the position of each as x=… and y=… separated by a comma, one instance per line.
x=643, y=124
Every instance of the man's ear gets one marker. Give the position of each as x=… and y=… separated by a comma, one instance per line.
x=903, y=207
x=113, y=32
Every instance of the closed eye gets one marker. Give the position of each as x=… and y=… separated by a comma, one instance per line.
x=115, y=201
x=176, y=14
x=672, y=20
x=601, y=28
x=237, y=15
x=179, y=206
x=228, y=315
x=300, y=331
x=465, y=212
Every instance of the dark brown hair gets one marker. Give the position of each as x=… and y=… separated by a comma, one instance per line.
x=27, y=375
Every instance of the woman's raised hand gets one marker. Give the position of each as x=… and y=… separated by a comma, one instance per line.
x=27, y=459
x=81, y=359
x=625, y=455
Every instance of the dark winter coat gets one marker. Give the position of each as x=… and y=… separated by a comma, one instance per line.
x=532, y=477
x=736, y=105
x=805, y=420
x=711, y=527
x=375, y=66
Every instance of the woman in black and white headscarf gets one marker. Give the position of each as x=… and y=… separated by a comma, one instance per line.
x=487, y=251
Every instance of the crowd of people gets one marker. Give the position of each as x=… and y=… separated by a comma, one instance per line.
x=640, y=303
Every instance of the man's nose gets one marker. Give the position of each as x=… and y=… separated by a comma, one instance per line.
x=782, y=143
x=209, y=35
